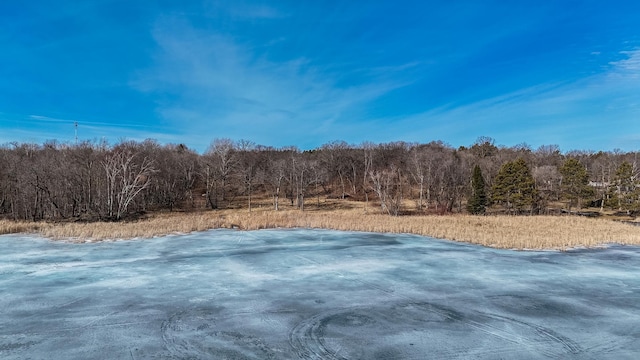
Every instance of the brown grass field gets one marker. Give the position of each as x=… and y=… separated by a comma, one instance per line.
x=506, y=232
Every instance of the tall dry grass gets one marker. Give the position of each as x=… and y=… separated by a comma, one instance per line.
x=510, y=232
x=11, y=227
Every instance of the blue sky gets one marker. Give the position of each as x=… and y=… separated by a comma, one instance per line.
x=305, y=73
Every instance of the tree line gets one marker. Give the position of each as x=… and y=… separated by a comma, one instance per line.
x=98, y=181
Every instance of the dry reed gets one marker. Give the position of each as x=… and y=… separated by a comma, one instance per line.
x=509, y=232
x=10, y=227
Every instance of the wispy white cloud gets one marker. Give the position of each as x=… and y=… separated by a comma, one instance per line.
x=627, y=70
x=49, y=119
x=221, y=87
x=215, y=82
x=627, y=67
x=579, y=114
x=243, y=10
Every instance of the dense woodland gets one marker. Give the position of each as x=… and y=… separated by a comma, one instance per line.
x=98, y=181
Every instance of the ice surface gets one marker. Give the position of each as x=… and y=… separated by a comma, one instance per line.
x=313, y=294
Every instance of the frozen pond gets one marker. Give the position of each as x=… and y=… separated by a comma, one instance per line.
x=313, y=294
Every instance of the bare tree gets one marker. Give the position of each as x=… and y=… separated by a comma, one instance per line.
x=248, y=166
x=300, y=176
x=334, y=158
x=85, y=159
x=188, y=166
x=177, y=168
x=603, y=168
x=387, y=184
x=275, y=177
x=126, y=178
x=368, y=150
x=548, y=155
x=419, y=171
x=221, y=162
x=319, y=177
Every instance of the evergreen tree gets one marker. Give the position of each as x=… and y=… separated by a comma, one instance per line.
x=478, y=201
x=514, y=187
x=575, y=182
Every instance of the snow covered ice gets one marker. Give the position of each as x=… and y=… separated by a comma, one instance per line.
x=313, y=294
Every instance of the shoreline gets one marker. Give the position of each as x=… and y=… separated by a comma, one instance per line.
x=496, y=231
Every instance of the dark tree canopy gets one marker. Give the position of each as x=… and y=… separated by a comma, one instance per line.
x=477, y=203
x=575, y=182
x=514, y=187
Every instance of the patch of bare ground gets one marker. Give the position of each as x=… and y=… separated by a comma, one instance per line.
x=507, y=232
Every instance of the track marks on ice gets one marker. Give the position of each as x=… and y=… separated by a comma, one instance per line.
x=194, y=334
x=412, y=329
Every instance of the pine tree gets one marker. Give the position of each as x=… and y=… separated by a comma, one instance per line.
x=514, y=187
x=575, y=182
x=478, y=201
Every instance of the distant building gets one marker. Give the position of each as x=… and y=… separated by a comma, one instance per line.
x=599, y=184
